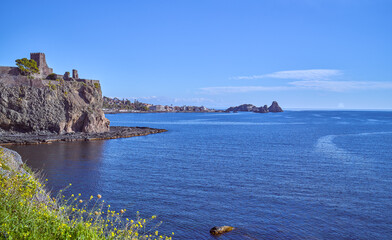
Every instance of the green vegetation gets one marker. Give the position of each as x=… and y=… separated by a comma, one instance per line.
x=52, y=86
x=28, y=212
x=60, y=81
x=115, y=103
x=52, y=76
x=26, y=66
x=96, y=85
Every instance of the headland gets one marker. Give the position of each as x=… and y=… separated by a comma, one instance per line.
x=38, y=106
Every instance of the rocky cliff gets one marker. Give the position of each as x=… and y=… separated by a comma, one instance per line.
x=37, y=105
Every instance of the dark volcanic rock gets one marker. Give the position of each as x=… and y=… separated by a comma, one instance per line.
x=35, y=109
x=262, y=109
x=275, y=107
x=12, y=138
x=251, y=108
x=35, y=105
x=243, y=108
x=221, y=230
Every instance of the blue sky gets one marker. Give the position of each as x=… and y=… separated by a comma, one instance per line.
x=320, y=54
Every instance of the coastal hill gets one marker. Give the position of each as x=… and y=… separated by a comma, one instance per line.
x=43, y=101
x=252, y=108
x=115, y=105
x=39, y=106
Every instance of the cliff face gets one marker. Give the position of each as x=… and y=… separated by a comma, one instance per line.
x=35, y=105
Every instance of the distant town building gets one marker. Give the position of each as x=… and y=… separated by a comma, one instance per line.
x=158, y=108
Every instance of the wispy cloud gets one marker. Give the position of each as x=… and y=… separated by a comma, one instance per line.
x=312, y=79
x=334, y=86
x=169, y=100
x=340, y=86
x=193, y=100
x=310, y=74
x=230, y=89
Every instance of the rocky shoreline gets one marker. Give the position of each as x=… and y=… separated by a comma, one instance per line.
x=14, y=138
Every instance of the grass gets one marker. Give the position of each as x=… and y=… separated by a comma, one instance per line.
x=27, y=211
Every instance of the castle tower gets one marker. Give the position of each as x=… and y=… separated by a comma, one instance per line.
x=44, y=70
x=75, y=74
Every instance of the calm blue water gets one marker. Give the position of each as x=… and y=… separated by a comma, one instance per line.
x=291, y=175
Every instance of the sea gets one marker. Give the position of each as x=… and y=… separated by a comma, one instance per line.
x=289, y=175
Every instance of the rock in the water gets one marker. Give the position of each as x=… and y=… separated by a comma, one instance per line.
x=251, y=108
x=262, y=109
x=221, y=230
x=275, y=107
x=243, y=108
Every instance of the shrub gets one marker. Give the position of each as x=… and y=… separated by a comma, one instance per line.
x=52, y=76
x=52, y=86
x=26, y=66
x=60, y=81
x=28, y=212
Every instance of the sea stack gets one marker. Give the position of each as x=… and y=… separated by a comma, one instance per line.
x=275, y=107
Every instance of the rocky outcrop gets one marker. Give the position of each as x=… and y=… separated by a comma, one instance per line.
x=36, y=105
x=242, y=108
x=45, y=102
x=262, y=109
x=221, y=230
x=275, y=107
x=7, y=138
x=10, y=161
x=251, y=108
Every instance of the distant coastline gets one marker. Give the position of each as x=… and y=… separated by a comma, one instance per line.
x=116, y=105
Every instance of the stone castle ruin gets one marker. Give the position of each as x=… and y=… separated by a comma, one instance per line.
x=50, y=102
x=12, y=75
x=43, y=68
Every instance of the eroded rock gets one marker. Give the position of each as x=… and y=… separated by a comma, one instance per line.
x=220, y=230
x=54, y=106
x=275, y=107
x=251, y=108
